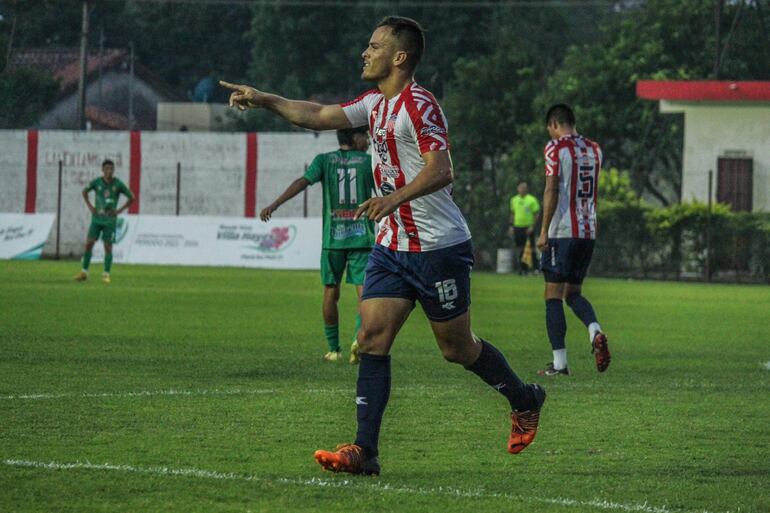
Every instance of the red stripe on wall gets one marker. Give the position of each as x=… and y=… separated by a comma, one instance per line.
x=135, y=176
x=251, y=175
x=31, y=199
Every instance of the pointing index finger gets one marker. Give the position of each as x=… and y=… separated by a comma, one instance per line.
x=228, y=85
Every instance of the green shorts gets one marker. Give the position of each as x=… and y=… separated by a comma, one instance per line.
x=333, y=262
x=106, y=230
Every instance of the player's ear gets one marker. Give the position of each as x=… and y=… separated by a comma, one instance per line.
x=399, y=59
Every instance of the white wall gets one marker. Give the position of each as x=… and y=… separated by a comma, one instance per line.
x=714, y=129
x=213, y=173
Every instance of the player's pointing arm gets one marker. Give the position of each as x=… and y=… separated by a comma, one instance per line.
x=301, y=113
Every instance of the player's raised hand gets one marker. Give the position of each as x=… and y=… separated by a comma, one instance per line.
x=243, y=96
x=376, y=208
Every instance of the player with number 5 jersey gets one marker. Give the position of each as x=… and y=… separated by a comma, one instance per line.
x=572, y=166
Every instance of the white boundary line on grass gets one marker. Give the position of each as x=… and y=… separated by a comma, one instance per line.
x=317, y=482
x=298, y=389
x=204, y=392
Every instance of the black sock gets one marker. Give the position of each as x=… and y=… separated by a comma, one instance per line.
x=582, y=308
x=555, y=323
x=492, y=367
x=372, y=393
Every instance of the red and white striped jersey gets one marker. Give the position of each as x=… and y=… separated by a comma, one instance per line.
x=402, y=129
x=577, y=161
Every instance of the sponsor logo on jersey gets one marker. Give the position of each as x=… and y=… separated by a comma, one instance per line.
x=389, y=171
x=387, y=188
x=432, y=129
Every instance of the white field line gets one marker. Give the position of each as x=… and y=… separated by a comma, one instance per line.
x=212, y=392
x=318, y=482
x=681, y=385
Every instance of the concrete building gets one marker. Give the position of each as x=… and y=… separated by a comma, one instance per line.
x=108, y=84
x=727, y=131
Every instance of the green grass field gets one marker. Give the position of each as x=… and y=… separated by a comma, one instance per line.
x=191, y=389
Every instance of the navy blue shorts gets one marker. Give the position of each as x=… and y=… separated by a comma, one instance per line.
x=440, y=280
x=567, y=260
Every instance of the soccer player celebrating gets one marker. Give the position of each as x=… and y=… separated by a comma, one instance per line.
x=423, y=250
x=104, y=216
x=572, y=165
x=347, y=181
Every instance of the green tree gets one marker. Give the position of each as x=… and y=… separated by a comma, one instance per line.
x=25, y=95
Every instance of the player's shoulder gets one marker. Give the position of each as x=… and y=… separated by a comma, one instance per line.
x=591, y=142
x=419, y=96
x=366, y=96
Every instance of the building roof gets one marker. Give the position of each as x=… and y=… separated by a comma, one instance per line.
x=64, y=65
x=703, y=90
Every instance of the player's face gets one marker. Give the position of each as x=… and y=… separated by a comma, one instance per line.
x=107, y=172
x=379, y=55
x=522, y=189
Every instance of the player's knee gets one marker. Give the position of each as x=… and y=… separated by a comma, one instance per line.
x=107, y=249
x=571, y=298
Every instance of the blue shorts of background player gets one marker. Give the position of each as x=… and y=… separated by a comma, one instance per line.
x=440, y=280
x=566, y=260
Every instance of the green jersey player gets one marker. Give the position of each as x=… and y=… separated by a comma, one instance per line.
x=104, y=216
x=347, y=181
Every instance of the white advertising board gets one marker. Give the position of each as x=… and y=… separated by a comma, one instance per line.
x=22, y=236
x=284, y=243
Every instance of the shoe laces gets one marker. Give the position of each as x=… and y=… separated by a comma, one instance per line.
x=524, y=421
x=354, y=454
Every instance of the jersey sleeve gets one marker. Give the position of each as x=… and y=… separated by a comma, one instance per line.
x=430, y=125
x=122, y=187
x=551, y=159
x=357, y=111
x=535, y=205
x=91, y=185
x=315, y=170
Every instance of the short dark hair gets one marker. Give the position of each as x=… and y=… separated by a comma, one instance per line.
x=410, y=35
x=562, y=114
x=345, y=135
x=108, y=162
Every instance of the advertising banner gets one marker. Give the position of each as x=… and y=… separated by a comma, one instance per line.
x=283, y=243
x=22, y=236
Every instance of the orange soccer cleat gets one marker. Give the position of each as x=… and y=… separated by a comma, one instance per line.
x=348, y=458
x=601, y=352
x=524, y=423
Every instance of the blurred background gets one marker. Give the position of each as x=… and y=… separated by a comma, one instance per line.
x=676, y=91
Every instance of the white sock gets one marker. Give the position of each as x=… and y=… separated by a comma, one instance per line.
x=593, y=329
x=560, y=358
x=85, y=271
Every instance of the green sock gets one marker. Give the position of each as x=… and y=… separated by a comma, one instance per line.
x=358, y=326
x=86, y=260
x=332, y=337
x=107, y=262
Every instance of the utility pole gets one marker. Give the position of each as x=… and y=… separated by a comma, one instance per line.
x=83, y=65
x=718, y=10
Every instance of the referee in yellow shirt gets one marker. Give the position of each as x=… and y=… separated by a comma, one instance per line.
x=525, y=214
